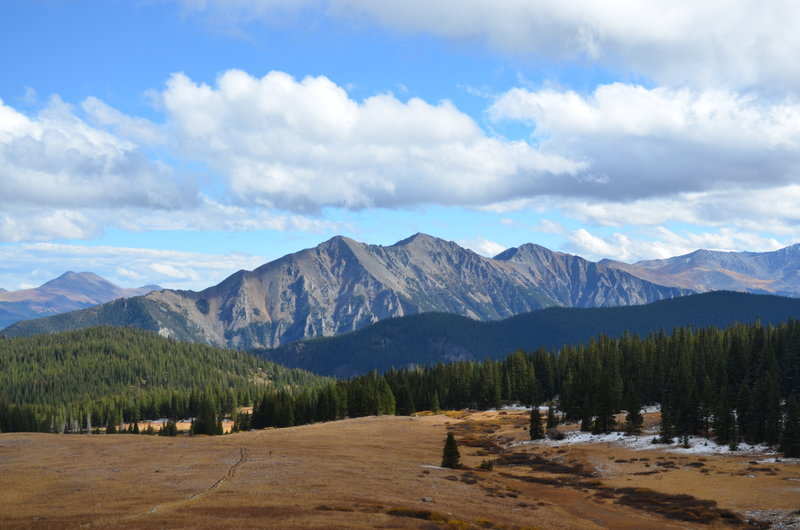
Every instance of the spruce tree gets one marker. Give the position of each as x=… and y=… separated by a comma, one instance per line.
x=587, y=418
x=634, y=419
x=536, y=430
x=435, y=406
x=450, y=455
x=552, y=419
x=206, y=420
x=605, y=422
x=790, y=440
x=724, y=419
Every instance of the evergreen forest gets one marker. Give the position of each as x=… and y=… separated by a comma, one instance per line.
x=76, y=381
x=738, y=384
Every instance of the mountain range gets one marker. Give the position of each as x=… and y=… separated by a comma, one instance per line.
x=775, y=272
x=429, y=338
x=343, y=285
x=68, y=292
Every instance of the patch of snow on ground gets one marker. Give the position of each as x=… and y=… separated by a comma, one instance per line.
x=516, y=407
x=697, y=445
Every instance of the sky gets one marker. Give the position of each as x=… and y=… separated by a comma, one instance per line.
x=176, y=142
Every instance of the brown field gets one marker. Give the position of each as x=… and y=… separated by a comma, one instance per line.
x=380, y=472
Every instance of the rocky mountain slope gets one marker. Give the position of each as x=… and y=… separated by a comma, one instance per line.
x=440, y=337
x=776, y=272
x=343, y=285
x=68, y=292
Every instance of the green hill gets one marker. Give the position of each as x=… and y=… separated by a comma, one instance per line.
x=433, y=337
x=98, y=372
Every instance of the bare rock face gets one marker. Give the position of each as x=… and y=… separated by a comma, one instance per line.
x=343, y=285
x=776, y=272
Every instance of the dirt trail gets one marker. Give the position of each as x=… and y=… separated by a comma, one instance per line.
x=167, y=506
x=228, y=475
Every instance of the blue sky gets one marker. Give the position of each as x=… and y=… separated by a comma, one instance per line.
x=175, y=142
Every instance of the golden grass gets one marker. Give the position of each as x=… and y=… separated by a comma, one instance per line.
x=367, y=473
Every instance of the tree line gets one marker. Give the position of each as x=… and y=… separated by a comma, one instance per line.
x=741, y=383
x=75, y=381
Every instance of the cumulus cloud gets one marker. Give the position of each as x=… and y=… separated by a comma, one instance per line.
x=743, y=44
x=304, y=145
x=660, y=243
x=56, y=160
x=482, y=246
x=769, y=210
x=33, y=224
x=133, y=128
x=640, y=142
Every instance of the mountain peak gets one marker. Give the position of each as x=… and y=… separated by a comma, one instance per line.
x=69, y=280
x=68, y=292
x=525, y=252
x=419, y=237
x=343, y=285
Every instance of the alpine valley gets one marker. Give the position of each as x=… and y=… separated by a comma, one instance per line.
x=343, y=285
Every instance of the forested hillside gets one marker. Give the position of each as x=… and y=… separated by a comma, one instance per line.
x=439, y=337
x=739, y=383
x=72, y=380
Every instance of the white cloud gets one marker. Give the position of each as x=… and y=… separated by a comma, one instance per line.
x=662, y=243
x=216, y=216
x=640, y=142
x=32, y=224
x=136, y=129
x=742, y=44
x=769, y=210
x=56, y=160
x=125, y=266
x=482, y=246
x=303, y=145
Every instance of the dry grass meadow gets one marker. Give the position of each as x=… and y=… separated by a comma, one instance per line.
x=380, y=472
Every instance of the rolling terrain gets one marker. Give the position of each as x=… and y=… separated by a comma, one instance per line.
x=68, y=292
x=62, y=382
x=776, y=272
x=383, y=472
x=439, y=337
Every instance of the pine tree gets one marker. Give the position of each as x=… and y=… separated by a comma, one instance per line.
x=790, y=441
x=170, y=428
x=724, y=419
x=634, y=419
x=587, y=418
x=605, y=422
x=772, y=414
x=450, y=455
x=405, y=401
x=435, y=406
x=552, y=419
x=206, y=420
x=536, y=430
